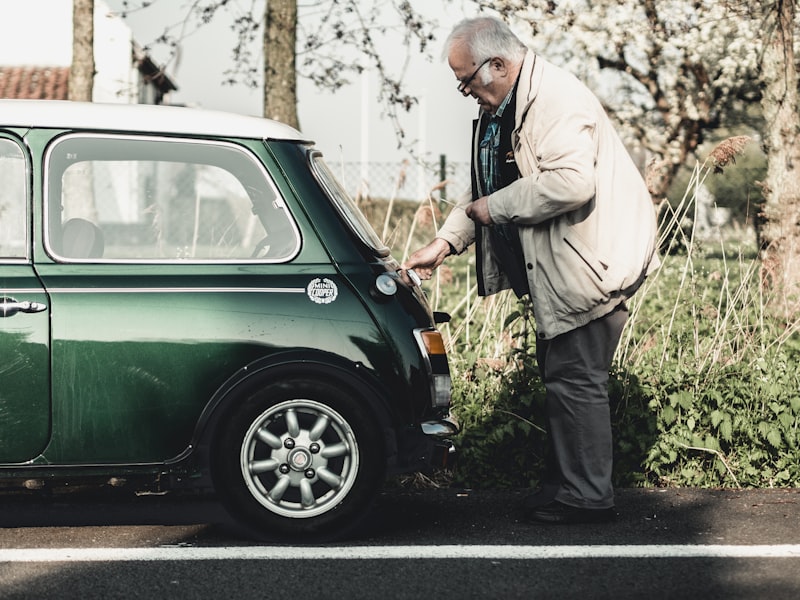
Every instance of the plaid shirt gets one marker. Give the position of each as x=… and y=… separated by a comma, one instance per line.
x=489, y=148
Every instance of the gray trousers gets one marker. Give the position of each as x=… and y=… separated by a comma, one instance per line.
x=574, y=368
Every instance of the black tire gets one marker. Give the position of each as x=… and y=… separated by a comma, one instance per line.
x=299, y=461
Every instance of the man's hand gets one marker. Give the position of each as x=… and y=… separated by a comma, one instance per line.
x=426, y=259
x=478, y=211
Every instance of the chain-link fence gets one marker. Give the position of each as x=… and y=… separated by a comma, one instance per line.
x=405, y=180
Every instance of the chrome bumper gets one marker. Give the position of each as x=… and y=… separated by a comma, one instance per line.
x=443, y=451
x=442, y=428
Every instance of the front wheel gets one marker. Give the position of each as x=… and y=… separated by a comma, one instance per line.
x=299, y=460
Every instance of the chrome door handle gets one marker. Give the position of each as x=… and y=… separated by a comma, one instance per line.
x=10, y=306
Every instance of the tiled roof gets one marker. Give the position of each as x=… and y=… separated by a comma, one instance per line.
x=35, y=83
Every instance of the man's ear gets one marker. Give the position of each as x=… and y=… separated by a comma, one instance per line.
x=499, y=65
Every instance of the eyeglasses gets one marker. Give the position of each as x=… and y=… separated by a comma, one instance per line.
x=462, y=87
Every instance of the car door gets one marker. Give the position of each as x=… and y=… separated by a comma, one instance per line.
x=24, y=318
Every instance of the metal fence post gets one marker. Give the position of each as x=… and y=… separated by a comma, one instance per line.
x=442, y=177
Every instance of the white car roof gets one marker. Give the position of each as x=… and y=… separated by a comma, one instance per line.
x=64, y=114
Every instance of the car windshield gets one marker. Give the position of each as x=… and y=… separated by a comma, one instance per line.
x=346, y=205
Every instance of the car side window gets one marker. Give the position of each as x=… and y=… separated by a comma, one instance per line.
x=13, y=201
x=126, y=198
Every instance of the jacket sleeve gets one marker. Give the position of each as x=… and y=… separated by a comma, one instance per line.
x=458, y=229
x=560, y=173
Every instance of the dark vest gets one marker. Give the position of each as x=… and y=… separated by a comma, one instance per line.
x=504, y=238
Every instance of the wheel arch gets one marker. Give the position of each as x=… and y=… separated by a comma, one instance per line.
x=305, y=364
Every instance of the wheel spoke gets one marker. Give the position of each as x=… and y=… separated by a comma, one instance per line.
x=307, y=494
x=269, y=438
x=292, y=425
x=319, y=427
x=332, y=479
x=262, y=466
x=335, y=450
x=277, y=492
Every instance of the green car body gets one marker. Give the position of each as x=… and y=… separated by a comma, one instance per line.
x=189, y=297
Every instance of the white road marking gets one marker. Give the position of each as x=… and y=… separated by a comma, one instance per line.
x=192, y=553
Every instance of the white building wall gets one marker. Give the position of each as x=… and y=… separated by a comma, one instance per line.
x=116, y=79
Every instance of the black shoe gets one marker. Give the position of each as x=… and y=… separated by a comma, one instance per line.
x=558, y=512
x=544, y=495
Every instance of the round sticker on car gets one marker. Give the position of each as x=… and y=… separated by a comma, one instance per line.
x=322, y=291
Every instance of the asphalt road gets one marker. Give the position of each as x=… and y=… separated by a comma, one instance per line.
x=445, y=543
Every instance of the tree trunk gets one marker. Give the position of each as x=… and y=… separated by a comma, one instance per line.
x=280, y=75
x=779, y=227
x=81, y=73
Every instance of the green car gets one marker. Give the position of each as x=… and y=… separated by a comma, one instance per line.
x=189, y=298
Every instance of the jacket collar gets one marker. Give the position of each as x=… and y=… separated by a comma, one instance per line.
x=530, y=80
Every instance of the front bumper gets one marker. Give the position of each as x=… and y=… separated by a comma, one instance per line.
x=443, y=452
x=427, y=447
x=440, y=428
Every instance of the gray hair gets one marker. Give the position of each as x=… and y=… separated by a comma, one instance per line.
x=485, y=38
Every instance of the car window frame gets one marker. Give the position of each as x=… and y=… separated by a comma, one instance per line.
x=346, y=207
x=257, y=162
x=25, y=257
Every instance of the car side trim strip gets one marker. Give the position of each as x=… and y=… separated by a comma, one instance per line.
x=174, y=290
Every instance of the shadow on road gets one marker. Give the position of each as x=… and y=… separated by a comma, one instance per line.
x=455, y=516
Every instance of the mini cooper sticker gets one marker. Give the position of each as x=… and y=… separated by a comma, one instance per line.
x=322, y=291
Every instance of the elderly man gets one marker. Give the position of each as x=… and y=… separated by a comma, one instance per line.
x=558, y=210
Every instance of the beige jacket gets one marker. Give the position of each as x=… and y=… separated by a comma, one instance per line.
x=586, y=220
